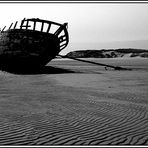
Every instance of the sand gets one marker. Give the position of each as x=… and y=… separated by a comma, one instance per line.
x=77, y=104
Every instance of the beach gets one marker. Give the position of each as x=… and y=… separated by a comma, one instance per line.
x=73, y=103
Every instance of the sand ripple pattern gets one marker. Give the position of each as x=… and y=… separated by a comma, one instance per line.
x=83, y=122
x=41, y=110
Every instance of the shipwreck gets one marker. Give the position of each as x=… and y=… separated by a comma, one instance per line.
x=32, y=44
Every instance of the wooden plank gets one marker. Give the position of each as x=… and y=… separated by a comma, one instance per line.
x=10, y=25
x=22, y=23
x=27, y=25
x=49, y=25
x=15, y=25
x=3, y=28
x=42, y=26
x=58, y=31
x=34, y=25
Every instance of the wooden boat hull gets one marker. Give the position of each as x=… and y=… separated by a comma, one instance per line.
x=30, y=48
x=27, y=48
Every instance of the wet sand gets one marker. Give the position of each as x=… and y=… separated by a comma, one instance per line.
x=74, y=103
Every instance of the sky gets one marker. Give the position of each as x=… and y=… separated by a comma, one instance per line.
x=90, y=25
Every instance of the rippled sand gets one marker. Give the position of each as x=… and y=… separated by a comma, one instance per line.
x=76, y=104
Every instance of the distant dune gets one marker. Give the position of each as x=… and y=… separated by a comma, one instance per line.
x=109, y=53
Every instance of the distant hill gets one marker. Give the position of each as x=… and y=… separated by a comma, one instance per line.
x=109, y=53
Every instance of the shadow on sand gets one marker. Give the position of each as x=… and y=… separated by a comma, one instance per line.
x=41, y=70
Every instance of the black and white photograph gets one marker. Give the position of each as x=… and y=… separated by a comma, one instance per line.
x=73, y=73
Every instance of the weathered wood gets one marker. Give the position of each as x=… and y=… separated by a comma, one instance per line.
x=15, y=25
x=27, y=25
x=22, y=23
x=23, y=47
x=10, y=26
x=60, y=29
x=3, y=28
x=42, y=26
x=34, y=25
x=49, y=25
